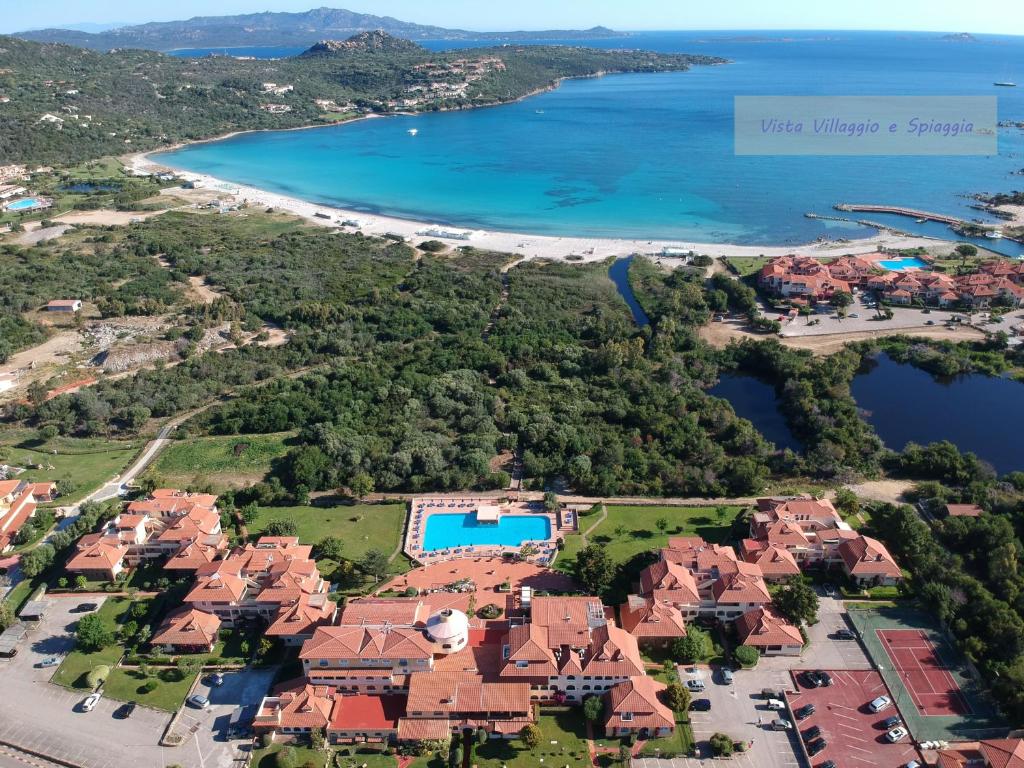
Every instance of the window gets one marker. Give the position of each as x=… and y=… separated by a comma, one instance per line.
x=586, y=687
x=506, y=651
x=522, y=664
x=322, y=662
x=403, y=662
x=627, y=717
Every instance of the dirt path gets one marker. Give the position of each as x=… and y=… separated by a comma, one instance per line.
x=719, y=335
x=889, y=491
x=199, y=288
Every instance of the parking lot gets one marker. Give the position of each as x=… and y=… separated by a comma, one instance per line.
x=854, y=734
x=208, y=729
x=39, y=715
x=825, y=651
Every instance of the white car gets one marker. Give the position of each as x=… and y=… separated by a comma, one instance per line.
x=90, y=702
x=776, y=705
x=695, y=684
x=880, y=704
x=897, y=734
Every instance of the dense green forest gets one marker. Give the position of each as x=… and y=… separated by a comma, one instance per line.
x=129, y=100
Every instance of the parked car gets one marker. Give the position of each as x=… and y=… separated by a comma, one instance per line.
x=810, y=680
x=776, y=706
x=700, y=705
x=816, y=746
x=49, y=661
x=125, y=710
x=890, y=722
x=880, y=704
x=90, y=702
x=804, y=712
x=811, y=734
x=897, y=734
x=695, y=684
x=215, y=680
x=771, y=693
x=198, y=701
x=929, y=322
x=781, y=724
x=726, y=676
x=854, y=315
x=828, y=764
x=824, y=678
x=845, y=634
x=84, y=608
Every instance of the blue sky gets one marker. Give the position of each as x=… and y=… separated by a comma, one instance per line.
x=999, y=16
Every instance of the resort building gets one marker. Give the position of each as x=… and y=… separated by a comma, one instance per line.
x=632, y=708
x=991, y=753
x=813, y=533
x=769, y=633
x=183, y=528
x=652, y=622
x=187, y=630
x=17, y=506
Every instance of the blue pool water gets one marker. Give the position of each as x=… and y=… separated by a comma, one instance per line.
x=23, y=205
x=899, y=265
x=461, y=530
x=652, y=155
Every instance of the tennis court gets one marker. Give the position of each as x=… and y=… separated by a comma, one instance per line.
x=932, y=684
x=929, y=681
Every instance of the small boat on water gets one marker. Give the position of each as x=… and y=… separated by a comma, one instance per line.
x=920, y=221
x=1005, y=84
x=413, y=131
x=539, y=111
x=994, y=234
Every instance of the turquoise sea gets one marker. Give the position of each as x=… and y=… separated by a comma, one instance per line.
x=651, y=155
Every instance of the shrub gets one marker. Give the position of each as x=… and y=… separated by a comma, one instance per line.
x=489, y=611
x=721, y=744
x=97, y=675
x=746, y=655
x=149, y=686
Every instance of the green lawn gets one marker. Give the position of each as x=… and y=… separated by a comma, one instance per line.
x=360, y=526
x=679, y=743
x=630, y=530
x=126, y=685
x=77, y=664
x=87, y=463
x=747, y=265
x=564, y=743
x=213, y=460
x=367, y=756
x=265, y=758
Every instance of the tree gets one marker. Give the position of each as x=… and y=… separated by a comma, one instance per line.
x=97, y=675
x=677, y=697
x=6, y=614
x=594, y=569
x=93, y=634
x=288, y=757
x=551, y=503
x=455, y=757
x=841, y=299
x=625, y=754
x=721, y=744
x=797, y=601
x=966, y=251
x=250, y=512
x=361, y=485
x=696, y=646
x=746, y=655
x=330, y=548
x=661, y=524
x=482, y=736
x=281, y=527
x=81, y=582
x=847, y=502
x=531, y=736
x=593, y=708
x=37, y=560
x=374, y=563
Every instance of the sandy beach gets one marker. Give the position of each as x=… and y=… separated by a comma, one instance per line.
x=525, y=245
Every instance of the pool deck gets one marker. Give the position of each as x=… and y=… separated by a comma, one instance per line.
x=420, y=510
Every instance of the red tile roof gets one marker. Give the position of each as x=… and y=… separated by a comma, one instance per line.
x=365, y=643
x=1003, y=753
x=423, y=729
x=367, y=713
x=763, y=627
x=964, y=510
x=302, y=617
x=187, y=626
x=463, y=693
x=864, y=556
x=645, y=617
x=637, y=699
x=376, y=610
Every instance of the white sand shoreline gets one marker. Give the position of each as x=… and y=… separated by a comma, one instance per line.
x=529, y=246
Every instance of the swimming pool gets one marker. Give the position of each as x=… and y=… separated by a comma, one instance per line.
x=903, y=263
x=25, y=204
x=445, y=531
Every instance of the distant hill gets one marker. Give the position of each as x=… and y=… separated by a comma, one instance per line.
x=960, y=37
x=277, y=29
x=364, y=41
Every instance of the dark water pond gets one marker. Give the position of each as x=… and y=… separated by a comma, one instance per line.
x=85, y=187
x=755, y=401
x=980, y=414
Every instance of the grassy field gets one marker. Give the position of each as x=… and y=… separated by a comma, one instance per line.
x=126, y=685
x=87, y=463
x=747, y=265
x=213, y=460
x=77, y=664
x=360, y=526
x=563, y=743
x=630, y=530
x=266, y=758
